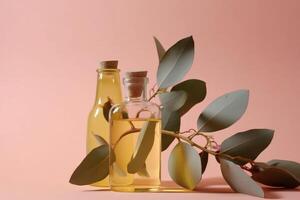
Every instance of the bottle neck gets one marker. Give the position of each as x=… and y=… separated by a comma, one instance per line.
x=135, y=89
x=108, y=85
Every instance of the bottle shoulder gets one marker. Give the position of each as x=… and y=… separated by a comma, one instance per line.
x=137, y=109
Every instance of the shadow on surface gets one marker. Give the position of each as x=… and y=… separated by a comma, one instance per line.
x=215, y=185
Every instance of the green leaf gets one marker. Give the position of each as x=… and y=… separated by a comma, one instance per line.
x=170, y=122
x=100, y=140
x=144, y=145
x=204, y=159
x=276, y=177
x=143, y=171
x=224, y=111
x=248, y=144
x=106, y=108
x=195, y=90
x=173, y=101
x=238, y=180
x=175, y=63
x=160, y=49
x=93, y=168
x=118, y=170
x=185, y=166
x=290, y=166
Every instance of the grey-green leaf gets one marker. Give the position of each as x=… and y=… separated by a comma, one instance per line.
x=195, y=90
x=100, y=139
x=170, y=122
x=290, y=166
x=160, y=49
x=204, y=160
x=175, y=63
x=238, y=180
x=144, y=145
x=276, y=177
x=248, y=144
x=224, y=111
x=173, y=101
x=143, y=171
x=106, y=108
x=185, y=166
x=93, y=168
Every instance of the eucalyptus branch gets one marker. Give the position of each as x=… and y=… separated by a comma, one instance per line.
x=153, y=95
x=170, y=133
x=221, y=155
x=132, y=130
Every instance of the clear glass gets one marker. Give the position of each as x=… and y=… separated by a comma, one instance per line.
x=108, y=85
x=126, y=121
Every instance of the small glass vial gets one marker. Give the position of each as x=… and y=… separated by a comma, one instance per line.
x=135, y=139
x=108, y=89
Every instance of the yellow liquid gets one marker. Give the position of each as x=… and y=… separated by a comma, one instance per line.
x=120, y=179
x=108, y=85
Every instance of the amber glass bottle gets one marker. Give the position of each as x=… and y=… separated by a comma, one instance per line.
x=135, y=128
x=108, y=89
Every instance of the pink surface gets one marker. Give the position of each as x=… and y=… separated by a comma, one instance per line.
x=49, y=51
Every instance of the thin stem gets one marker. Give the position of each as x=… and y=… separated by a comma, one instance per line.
x=178, y=136
x=153, y=95
x=222, y=155
x=133, y=130
x=188, y=141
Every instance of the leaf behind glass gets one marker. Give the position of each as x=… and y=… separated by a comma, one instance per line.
x=144, y=145
x=143, y=171
x=100, y=139
x=106, y=108
x=223, y=111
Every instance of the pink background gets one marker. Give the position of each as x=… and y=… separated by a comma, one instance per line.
x=49, y=51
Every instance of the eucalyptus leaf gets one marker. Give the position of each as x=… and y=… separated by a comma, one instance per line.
x=118, y=170
x=276, y=177
x=248, y=144
x=100, y=139
x=173, y=101
x=223, y=111
x=287, y=165
x=238, y=180
x=106, y=108
x=204, y=160
x=143, y=171
x=175, y=63
x=185, y=166
x=160, y=49
x=195, y=90
x=93, y=168
x=144, y=145
x=170, y=122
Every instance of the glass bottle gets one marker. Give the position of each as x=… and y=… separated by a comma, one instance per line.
x=108, y=90
x=135, y=139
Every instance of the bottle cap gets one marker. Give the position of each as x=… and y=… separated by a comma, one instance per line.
x=135, y=83
x=138, y=74
x=109, y=64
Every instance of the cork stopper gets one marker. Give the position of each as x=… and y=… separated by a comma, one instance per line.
x=109, y=64
x=135, y=83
